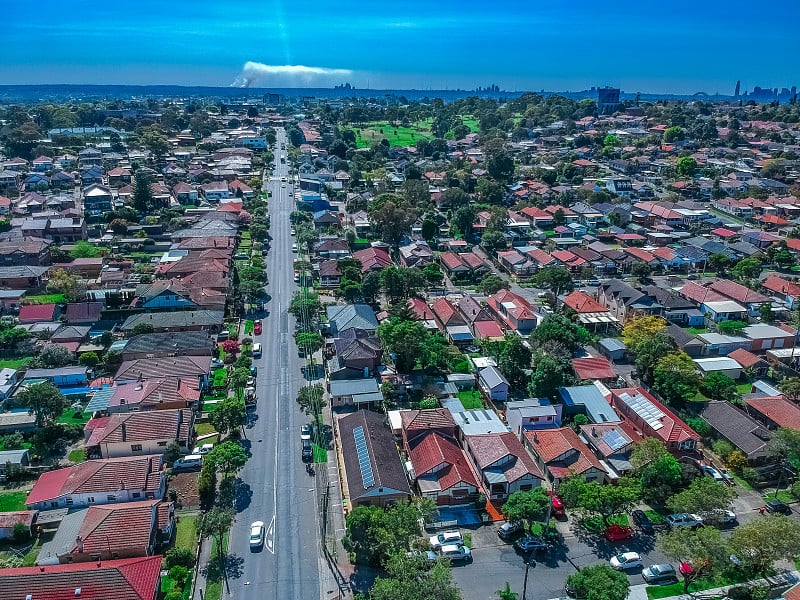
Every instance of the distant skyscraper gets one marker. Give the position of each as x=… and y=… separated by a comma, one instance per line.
x=738, y=87
x=607, y=100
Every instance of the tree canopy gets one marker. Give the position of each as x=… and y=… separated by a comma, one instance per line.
x=599, y=582
x=43, y=400
x=526, y=506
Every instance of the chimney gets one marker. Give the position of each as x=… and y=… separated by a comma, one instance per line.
x=535, y=438
x=79, y=544
x=124, y=433
x=594, y=432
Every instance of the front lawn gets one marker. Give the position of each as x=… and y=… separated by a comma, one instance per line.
x=744, y=388
x=203, y=428
x=77, y=456
x=595, y=524
x=15, y=363
x=12, y=501
x=656, y=592
x=45, y=299
x=782, y=495
x=68, y=417
x=220, y=377
x=214, y=580
x=186, y=532
x=471, y=399
x=695, y=330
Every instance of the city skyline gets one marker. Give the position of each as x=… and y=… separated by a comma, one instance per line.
x=652, y=49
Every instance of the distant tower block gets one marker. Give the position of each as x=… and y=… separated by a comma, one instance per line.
x=607, y=100
x=738, y=88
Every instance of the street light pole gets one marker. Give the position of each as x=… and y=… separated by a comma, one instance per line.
x=525, y=581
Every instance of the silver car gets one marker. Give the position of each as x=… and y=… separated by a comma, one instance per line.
x=659, y=573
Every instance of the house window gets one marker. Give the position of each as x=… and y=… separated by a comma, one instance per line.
x=459, y=493
x=111, y=498
x=549, y=417
x=68, y=501
x=54, y=505
x=136, y=494
x=150, y=495
x=162, y=444
x=136, y=447
x=526, y=488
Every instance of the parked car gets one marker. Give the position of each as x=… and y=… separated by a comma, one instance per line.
x=446, y=538
x=557, y=507
x=305, y=431
x=776, y=506
x=618, y=533
x=530, y=543
x=428, y=555
x=684, y=520
x=659, y=573
x=203, y=449
x=257, y=328
x=257, y=535
x=719, y=517
x=456, y=552
x=626, y=560
x=192, y=462
x=507, y=530
x=643, y=522
x=712, y=472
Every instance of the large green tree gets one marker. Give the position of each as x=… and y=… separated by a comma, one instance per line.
x=704, y=495
x=228, y=415
x=410, y=578
x=674, y=378
x=556, y=279
x=550, y=372
x=758, y=544
x=227, y=457
x=526, y=506
x=608, y=500
x=513, y=358
x=43, y=400
x=558, y=328
x=704, y=549
x=403, y=340
x=392, y=217
x=599, y=582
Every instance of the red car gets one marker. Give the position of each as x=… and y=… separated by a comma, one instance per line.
x=618, y=533
x=558, y=507
x=257, y=328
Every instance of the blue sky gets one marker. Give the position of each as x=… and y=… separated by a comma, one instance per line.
x=642, y=45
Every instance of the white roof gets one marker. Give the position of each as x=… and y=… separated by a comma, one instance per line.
x=725, y=306
x=764, y=331
x=721, y=363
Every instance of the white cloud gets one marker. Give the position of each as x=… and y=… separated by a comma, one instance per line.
x=258, y=74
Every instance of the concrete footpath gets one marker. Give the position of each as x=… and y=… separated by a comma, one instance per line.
x=785, y=579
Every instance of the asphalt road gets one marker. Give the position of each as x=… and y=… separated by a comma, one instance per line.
x=275, y=486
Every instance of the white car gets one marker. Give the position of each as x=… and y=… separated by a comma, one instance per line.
x=684, y=520
x=204, y=449
x=446, y=538
x=626, y=560
x=294, y=248
x=257, y=532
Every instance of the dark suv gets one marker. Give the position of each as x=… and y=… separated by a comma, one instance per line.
x=643, y=522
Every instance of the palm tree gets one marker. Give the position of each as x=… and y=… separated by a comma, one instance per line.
x=506, y=593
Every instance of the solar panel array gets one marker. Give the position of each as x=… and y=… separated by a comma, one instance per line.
x=614, y=440
x=367, y=476
x=648, y=411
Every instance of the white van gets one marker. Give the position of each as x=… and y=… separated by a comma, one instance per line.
x=191, y=462
x=257, y=350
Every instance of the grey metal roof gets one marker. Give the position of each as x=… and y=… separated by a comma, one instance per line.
x=64, y=539
x=492, y=377
x=100, y=399
x=739, y=429
x=351, y=387
x=612, y=344
x=591, y=399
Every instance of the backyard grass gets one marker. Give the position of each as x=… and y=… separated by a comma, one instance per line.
x=471, y=399
x=45, y=299
x=185, y=532
x=744, y=388
x=656, y=592
x=12, y=501
x=15, y=363
x=77, y=456
x=220, y=377
x=203, y=428
x=782, y=495
x=320, y=454
x=248, y=327
x=695, y=330
x=68, y=417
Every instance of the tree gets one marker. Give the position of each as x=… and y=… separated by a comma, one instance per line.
x=429, y=228
x=215, y=524
x=513, y=359
x=718, y=386
x=142, y=196
x=142, y=328
x=674, y=378
x=660, y=478
x=489, y=191
x=403, y=340
x=558, y=328
x=785, y=444
x=89, y=359
x=83, y=249
x=493, y=240
x=43, y=400
x=556, y=279
x=702, y=550
x=178, y=557
x=640, y=329
x=611, y=140
x=790, y=387
x=462, y=219
x=392, y=217
x=704, y=495
x=765, y=312
x=747, y=268
x=172, y=452
x=370, y=286
x=308, y=342
x=491, y=284
x=454, y=198
x=758, y=544
x=229, y=415
x=500, y=165
x=719, y=262
x=686, y=166
x=642, y=271
x=731, y=327
x=311, y=398
x=507, y=594
x=410, y=578
x=526, y=506
x=549, y=374
x=61, y=282
x=433, y=274
x=645, y=452
x=54, y=356
x=649, y=351
x=673, y=134
x=599, y=582
x=227, y=457
x=608, y=500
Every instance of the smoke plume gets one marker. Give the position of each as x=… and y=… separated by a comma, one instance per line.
x=261, y=75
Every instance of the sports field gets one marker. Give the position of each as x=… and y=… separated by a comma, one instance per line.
x=397, y=135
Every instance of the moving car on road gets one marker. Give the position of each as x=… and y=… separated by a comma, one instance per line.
x=257, y=535
x=626, y=560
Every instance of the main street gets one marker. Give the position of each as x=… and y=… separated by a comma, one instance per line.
x=276, y=488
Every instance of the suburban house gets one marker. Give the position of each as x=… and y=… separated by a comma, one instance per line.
x=193, y=368
x=123, y=579
x=591, y=314
x=60, y=377
x=589, y=400
x=493, y=383
x=612, y=444
x=354, y=392
x=139, y=433
x=594, y=368
x=560, y=454
x=11, y=521
x=415, y=254
x=734, y=425
x=742, y=294
x=532, y=413
x=765, y=337
x=773, y=411
x=374, y=471
x=787, y=292
x=503, y=463
x=415, y=424
x=624, y=301
x=654, y=419
x=100, y=482
x=451, y=322
x=94, y=533
x=349, y=316
x=442, y=471
x=513, y=310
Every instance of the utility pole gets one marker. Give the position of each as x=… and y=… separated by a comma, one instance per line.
x=525, y=581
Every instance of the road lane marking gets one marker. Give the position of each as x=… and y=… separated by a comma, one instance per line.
x=271, y=535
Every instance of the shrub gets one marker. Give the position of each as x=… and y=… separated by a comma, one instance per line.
x=736, y=462
x=722, y=448
x=21, y=533
x=178, y=557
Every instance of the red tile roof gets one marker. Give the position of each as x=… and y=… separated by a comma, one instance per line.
x=671, y=428
x=21, y=517
x=488, y=329
x=593, y=367
x=552, y=444
x=778, y=410
x=581, y=302
x=745, y=358
x=491, y=448
x=137, y=472
x=371, y=258
x=446, y=312
x=126, y=579
x=779, y=285
x=33, y=313
x=100, y=529
x=141, y=426
x=434, y=450
x=737, y=291
x=694, y=291
x=419, y=420
x=422, y=310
